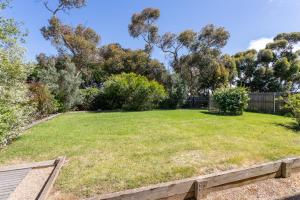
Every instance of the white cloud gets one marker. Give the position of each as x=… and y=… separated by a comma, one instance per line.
x=296, y=47
x=260, y=43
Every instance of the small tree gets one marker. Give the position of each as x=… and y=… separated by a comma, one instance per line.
x=59, y=75
x=231, y=100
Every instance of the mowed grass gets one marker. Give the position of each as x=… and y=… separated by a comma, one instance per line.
x=109, y=152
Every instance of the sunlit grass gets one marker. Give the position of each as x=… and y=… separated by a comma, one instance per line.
x=109, y=152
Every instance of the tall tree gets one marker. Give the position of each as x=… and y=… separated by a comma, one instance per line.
x=143, y=25
x=116, y=60
x=79, y=42
x=172, y=44
x=273, y=69
x=204, y=67
x=64, y=5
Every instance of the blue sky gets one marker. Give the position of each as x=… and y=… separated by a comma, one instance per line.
x=250, y=22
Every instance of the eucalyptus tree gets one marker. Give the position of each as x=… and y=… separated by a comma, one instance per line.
x=275, y=68
x=205, y=67
x=143, y=26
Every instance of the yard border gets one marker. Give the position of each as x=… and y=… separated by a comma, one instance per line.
x=34, y=123
x=199, y=187
x=45, y=190
x=44, y=193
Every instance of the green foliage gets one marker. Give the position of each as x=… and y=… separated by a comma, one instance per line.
x=117, y=60
x=10, y=30
x=88, y=97
x=142, y=25
x=80, y=42
x=132, y=92
x=42, y=100
x=293, y=104
x=14, y=102
x=265, y=56
x=205, y=67
x=60, y=76
x=231, y=100
x=274, y=69
x=177, y=93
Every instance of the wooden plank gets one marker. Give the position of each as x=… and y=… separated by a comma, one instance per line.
x=159, y=191
x=185, y=196
x=240, y=174
x=244, y=182
x=200, y=190
x=286, y=168
x=30, y=165
x=49, y=184
x=217, y=181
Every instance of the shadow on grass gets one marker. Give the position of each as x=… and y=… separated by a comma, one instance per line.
x=291, y=126
x=218, y=114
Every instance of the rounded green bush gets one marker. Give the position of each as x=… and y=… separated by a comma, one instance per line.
x=231, y=100
x=132, y=92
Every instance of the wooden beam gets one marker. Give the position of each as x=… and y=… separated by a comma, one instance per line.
x=213, y=182
x=29, y=165
x=286, y=168
x=49, y=183
x=200, y=189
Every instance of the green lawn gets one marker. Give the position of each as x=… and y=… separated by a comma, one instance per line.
x=114, y=151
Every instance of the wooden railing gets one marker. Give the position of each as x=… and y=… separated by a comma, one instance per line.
x=199, y=187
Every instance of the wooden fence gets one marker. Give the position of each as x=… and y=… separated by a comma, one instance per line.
x=265, y=102
x=270, y=102
x=198, y=187
x=197, y=101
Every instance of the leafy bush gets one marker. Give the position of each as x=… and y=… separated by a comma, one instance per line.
x=292, y=103
x=42, y=100
x=88, y=97
x=60, y=76
x=131, y=92
x=14, y=101
x=231, y=100
x=176, y=93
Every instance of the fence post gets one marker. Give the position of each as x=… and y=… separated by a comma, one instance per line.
x=274, y=102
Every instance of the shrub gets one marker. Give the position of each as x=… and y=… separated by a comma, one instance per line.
x=131, y=92
x=14, y=101
x=292, y=103
x=88, y=97
x=231, y=100
x=176, y=93
x=43, y=100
